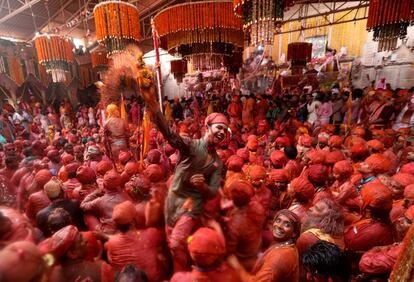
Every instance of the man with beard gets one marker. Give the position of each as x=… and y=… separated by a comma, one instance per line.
x=325, y=221
x=280, y=262
x=196, y=179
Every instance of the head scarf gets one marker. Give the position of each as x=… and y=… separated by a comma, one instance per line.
x=318, y=174
x=112, y=180
x=404, y=179
x=378, y=163
x=278, y=158
x=408, y=168
x=279, y=175
x=256, y=172
x=216, y=118
x=376, y=145
x=85, y=175
x=102, y=167
x=303, y=189
x=241, y=192
x=42, y=177
x=343, y=168
x=235, y=163
x=316, y=156
x=334, y=157
x=206, y=241
x=335, y=141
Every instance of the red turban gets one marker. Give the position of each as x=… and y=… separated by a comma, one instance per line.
x=132, y=168
x=67, y=158
x=257, y=172
x=138, y=185
x=409, y=192
x=71, y=167
x=378, y=163
x=241, y=192
x=154, y=172
x=336, y=141
x=123, y=213
x=53, y=154
x=318, y=174
x=408, y=168
x=205, y=241
x=359, y=151
x=216, y=118
x=112, y=180
x=376, y=145
x=359, y=131
x=78, y=149
x=252, y=142
x=376, y=195
x=283, y=141
x=92, y=245
x=235, y=163
x=304, y=190
x=244, y=154
x=85, y=175
x=60, y=242
x=102, y=167
x=278, y=158
x=154, y=156
x=124, y=157
x=334, y=157
x=42, y=177
x=305, y=140
x=343, y=168
x=404, y=179
x=316, y=156
x=279, y=175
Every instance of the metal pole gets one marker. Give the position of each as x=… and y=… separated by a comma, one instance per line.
x=157, y=62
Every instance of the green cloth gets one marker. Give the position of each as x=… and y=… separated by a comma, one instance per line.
x=192, y=160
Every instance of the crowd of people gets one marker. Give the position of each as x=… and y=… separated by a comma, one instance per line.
x=312, y=185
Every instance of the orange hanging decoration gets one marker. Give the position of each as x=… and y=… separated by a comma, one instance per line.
x=54, y=52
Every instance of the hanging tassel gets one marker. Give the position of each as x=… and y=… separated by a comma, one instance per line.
x=124, y=115
x=146, y=128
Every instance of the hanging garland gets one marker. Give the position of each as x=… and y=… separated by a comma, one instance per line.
x=389, y=19
x=203, y=29
x=117, y=25
x=55, y=53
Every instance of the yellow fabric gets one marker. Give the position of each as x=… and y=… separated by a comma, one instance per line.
x=146, y=128
x=112, y=111
x=124, y=115
x=326, y=237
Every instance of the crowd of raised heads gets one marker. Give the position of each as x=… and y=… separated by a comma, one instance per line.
x=311, y=185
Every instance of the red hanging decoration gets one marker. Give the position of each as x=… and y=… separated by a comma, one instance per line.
x=389, y=19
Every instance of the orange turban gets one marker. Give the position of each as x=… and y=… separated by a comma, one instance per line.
x=359, y=151
x=42, y=177
x=316, y=156
x=409, y=192
x=71, y=167
x=252, y=142
x=257, y=172
x=343, y=168
x=318, y=174
x=408, y=168
x=112, y=180
x=359, y=131
x=102, y=167
x=85, y=175
x=123, y=213
x=376, y=145
x=241, y=192
x=206, y=241
x=243, y=153
x=376, y=195
x=404, y=179
x=216, y=118
x=235, y=163
x=154, y=172
x=67, y=158
x=304, y=190
x=131, y=168
x=335, y=141
x=279, y=175
x=278, y=158
x=334, y=157
x=378, y=163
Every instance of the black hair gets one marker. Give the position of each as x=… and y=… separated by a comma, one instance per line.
x=10, y=159
x=326, y=259
x=27, y=152
x=58, y=219
x=291, y=152
x=131, y=273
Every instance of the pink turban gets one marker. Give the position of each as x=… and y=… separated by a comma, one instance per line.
x=216, y=118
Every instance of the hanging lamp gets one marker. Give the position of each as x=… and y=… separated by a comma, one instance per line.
x=117, y=25
x=389, y=19
x=261, y=18
x=199, y=31
x=55, y=53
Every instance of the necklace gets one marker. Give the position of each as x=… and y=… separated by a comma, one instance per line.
x=283, y=244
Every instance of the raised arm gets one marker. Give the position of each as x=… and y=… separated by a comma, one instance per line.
x=158, y=118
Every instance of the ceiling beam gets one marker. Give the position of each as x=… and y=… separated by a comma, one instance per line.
x=18, y=10
x=56, y=14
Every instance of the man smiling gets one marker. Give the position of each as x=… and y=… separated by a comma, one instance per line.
x=196, y=179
